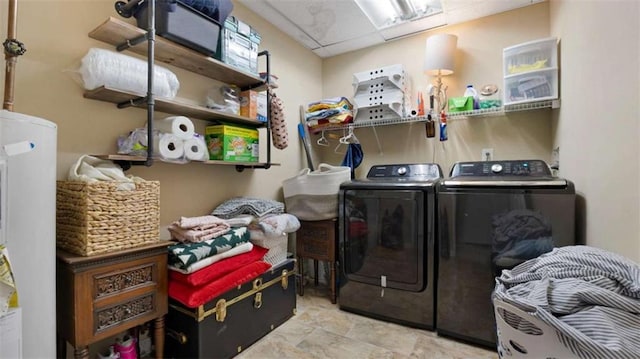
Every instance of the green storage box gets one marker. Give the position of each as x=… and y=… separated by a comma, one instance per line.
x=232, y=143
x=459, y=104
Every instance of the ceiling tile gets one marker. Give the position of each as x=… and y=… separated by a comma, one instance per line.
x=332, y=27
x=326, y=21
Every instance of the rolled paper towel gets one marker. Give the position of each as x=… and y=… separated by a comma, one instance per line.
x=180, y=126
x=168, y=146
x=195, y=149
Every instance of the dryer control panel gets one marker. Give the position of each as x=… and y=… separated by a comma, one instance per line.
x=520, y=168
x=413, y=171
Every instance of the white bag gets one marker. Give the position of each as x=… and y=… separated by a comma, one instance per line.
x=313, y=195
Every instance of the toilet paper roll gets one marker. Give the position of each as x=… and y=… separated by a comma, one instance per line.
x=168, y=146
x=180, y=126
x=195, y=149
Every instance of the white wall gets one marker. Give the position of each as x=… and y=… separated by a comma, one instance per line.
x=479, y=62
x=597, y=127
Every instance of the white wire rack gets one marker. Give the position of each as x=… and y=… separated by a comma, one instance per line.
x=495, y=111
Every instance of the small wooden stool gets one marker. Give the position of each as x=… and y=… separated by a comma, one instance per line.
x=317, y=240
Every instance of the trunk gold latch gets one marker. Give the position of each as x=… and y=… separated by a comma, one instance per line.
x=257, y=301
x=221, y=310
x=284, y=279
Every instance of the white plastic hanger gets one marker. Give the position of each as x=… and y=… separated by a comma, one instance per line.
x=322, y=141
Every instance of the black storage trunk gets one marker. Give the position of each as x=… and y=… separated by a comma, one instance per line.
x=182, y=24
x=230, y=323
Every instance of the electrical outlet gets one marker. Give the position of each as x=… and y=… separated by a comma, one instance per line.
x=487, y=154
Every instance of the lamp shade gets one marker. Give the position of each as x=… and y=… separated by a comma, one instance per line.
x=439, y=54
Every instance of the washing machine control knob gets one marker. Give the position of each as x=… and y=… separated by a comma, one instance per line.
x=402, y=171
x=496, y=168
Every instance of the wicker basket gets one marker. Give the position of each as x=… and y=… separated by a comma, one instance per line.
x=277, y=247
x=98, y=217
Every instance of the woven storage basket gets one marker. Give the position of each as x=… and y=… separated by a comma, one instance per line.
x=277, y=247
x=98, y=217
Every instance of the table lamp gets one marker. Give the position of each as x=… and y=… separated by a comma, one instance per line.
x=438, y=61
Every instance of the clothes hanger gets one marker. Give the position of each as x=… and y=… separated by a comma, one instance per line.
x=322, y=141
x=340, y=142
x=349, y=138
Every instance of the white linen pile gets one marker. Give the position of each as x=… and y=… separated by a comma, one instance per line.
x=591, y=297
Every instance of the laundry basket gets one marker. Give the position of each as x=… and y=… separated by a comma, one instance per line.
x=534, y=339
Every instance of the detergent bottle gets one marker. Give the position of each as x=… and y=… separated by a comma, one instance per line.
x=470, y=91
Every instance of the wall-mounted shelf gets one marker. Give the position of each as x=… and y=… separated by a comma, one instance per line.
x=125, y=36
x=489, y=112
x=124, y=98
x=117, y=32
x=128, y=161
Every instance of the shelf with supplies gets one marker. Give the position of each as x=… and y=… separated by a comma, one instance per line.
x=124, y=98
x=489, y=112
x=125, y=36
x=130, y=37
x=127, y=160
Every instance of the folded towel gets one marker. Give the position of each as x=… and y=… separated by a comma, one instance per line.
x=242, y=220
x=202, y=222
x=198, y=229
x=193, y=297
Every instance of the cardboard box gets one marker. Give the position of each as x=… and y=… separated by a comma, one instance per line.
x=232, y=143
x=262, y=107
x=249, y=104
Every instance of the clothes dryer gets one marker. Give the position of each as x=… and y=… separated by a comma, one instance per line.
x=494, y=215
x=387, y=237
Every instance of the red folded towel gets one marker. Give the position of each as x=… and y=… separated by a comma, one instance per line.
x=218, y=269
x=193, y=297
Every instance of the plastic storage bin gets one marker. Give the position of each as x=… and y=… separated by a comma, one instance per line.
x=531, y=56
x=239, y=45
x=531, y=72
x=182, y=24
x=531, y=86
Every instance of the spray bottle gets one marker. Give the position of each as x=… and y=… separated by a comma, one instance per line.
x=443, y=126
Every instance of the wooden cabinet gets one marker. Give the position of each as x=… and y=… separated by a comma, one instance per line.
x=101, y=296
x=317, y=240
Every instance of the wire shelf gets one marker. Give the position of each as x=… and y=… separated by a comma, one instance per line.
x=495, y=111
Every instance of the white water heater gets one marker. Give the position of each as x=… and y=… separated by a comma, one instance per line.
x=28, y=147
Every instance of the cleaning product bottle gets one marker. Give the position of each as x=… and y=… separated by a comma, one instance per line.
x=470, y=91
x=443, y=126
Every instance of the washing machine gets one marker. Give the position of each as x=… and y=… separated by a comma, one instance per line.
x=492, y=216
x=387, y=238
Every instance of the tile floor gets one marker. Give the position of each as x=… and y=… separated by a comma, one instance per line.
x=321, y=330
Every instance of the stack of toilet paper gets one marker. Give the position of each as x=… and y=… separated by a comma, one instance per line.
x=177, y=140
x=174, y=140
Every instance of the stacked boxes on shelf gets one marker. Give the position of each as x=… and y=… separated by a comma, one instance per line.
x=235, y=143
x=531, y=71
x=381, y=94
x=239, y=45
